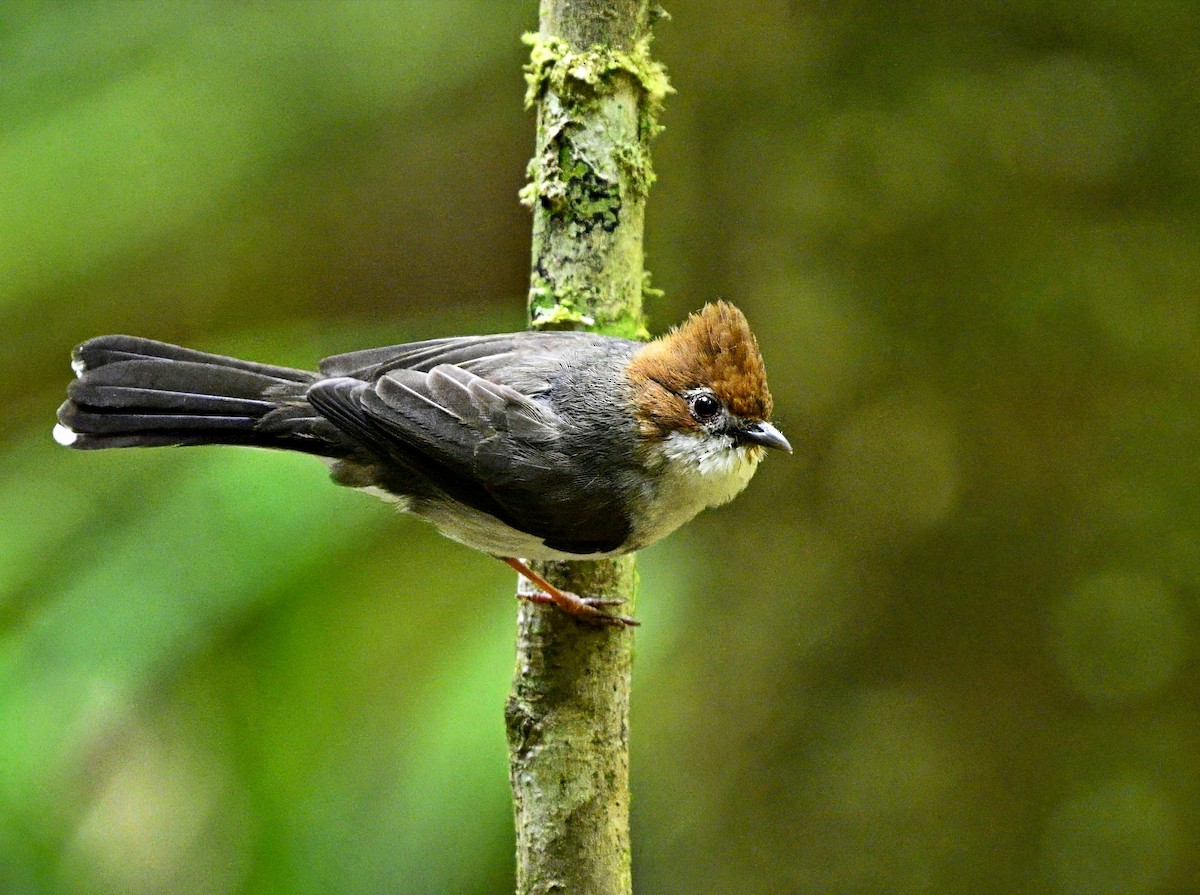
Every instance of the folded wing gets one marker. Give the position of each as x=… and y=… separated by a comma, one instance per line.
x=477, y=440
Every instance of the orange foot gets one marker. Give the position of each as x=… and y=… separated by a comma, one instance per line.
x=586, y=609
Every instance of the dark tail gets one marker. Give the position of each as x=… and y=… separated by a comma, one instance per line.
x=135, y=392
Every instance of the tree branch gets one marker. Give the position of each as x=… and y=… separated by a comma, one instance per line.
x=597, y=94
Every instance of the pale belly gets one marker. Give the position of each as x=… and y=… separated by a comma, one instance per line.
x=693, y=477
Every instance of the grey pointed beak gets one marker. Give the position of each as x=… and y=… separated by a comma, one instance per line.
x=766, y=435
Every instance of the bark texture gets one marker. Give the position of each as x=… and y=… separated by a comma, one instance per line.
x=597, y=94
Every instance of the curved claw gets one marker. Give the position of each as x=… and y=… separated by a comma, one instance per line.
x=606, y=618
x=601, y=603
x=586, y=609
x=600, y=617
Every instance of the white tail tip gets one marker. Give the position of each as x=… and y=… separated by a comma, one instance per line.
x=78, y=365
x=64, y=436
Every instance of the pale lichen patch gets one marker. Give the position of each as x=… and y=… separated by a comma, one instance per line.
x=555, y=65
x=569, y=83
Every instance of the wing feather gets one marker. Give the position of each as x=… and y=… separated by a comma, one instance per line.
x=482, y=442
x=484, y=355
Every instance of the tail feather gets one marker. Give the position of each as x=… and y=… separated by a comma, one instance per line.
x=123, y=397
x=133, y=392
x=104, y=350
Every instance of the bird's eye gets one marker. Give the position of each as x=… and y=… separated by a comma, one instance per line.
x=705, y=406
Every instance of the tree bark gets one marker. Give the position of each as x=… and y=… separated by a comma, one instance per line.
x=597, y=94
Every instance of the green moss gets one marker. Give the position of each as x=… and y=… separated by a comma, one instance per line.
x=560, y=317
x=634, y=161
x=557, y=308
x=588, y=169
x=545, y=52
x=577, y=78
x=571, y=189
x=591, y=200
x=553, y=64
x=546, y=184
x=552, y=307
x=623, y=328
x=649, y=292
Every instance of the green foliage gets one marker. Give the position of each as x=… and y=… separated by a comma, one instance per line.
x=949, y=646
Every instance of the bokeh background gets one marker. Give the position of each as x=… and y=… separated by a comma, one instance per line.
x=950, y=646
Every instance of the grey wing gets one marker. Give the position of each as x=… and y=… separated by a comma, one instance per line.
x=491, y=356
x=482, y=443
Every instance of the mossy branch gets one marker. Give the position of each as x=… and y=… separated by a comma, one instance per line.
x=597, y=94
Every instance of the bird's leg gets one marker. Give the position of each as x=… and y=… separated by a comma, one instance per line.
x=587, y=609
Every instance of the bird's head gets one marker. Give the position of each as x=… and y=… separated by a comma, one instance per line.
x=700, y=394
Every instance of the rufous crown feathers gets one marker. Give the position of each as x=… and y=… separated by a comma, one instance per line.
x=713, y=348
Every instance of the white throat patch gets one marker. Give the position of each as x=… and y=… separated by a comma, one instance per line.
x=700, y=471
x=715, y=458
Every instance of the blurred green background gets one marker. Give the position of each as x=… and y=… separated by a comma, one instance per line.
x=950, y=646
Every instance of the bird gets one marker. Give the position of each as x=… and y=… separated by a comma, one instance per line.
x=534, y=445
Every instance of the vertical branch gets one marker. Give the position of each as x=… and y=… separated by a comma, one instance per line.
x=597, y=93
